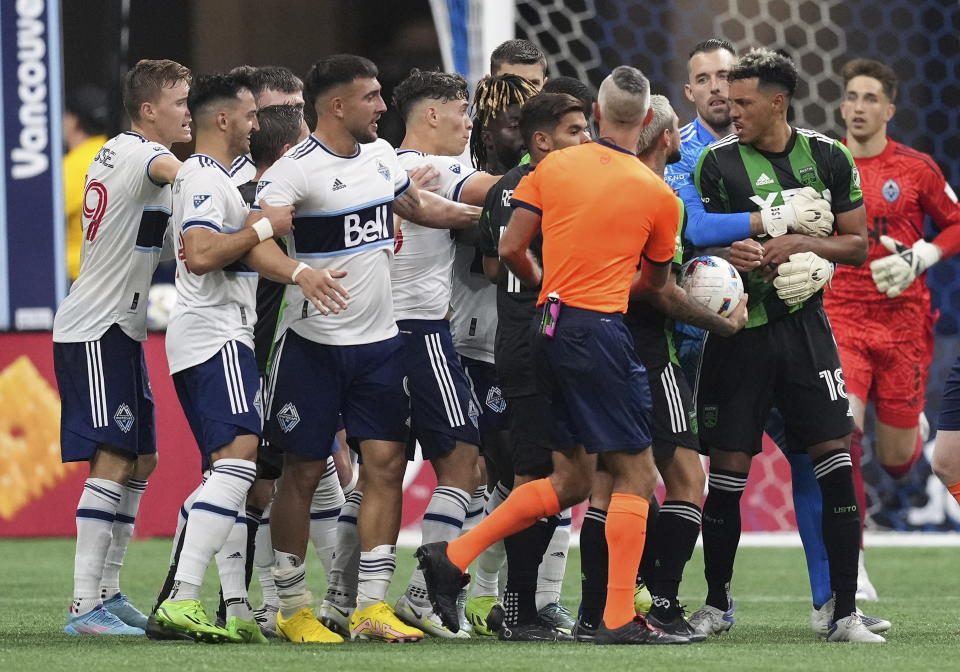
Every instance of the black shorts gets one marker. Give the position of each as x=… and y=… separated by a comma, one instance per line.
x=950, y=405
x=673, y=421
x=792, y=364
x=534, y=435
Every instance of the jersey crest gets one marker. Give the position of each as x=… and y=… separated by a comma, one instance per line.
x=890, y=190
x=200, y=199
x=383, y=170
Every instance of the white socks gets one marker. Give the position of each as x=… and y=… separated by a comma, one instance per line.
x=343, y=578
x=376, y=572
x=120, y=536
x=486, y=571
x=232, y=567
x=290, y=577
x=263, y=560
x=325, y=509
x=212, y=518
x=96, y=512
x=442, y=521
x=554, y=564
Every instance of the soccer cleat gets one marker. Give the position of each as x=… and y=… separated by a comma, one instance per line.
x=304, y=628
x=266, y=618
x=584, y=633
x=851, y=629
x=678, y=625
x=711, y=621
x=336, y=617
x=642, y=599
x=422, y=617
x=558, y=617
x=820, y=620
x=637, y=631
x=865, y=590
x=98, y=621
x=379, y=621
x=244, y=632
x=188, y=617
x=496, y=617
x=532, y=632
x=156, y=633
x=119, y=605
x=462, y=612
x=444, y=581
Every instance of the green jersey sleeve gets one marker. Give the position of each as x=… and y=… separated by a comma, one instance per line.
x=709, y=182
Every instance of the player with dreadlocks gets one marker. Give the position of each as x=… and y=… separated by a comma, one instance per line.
x=495, y=143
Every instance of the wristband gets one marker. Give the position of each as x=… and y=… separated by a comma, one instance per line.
x=264, y=229
x=300, y=267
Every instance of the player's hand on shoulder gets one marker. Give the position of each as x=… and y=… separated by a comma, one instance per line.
x=801, y=277
x=321, y=287
x=737, y=319
x=280, y=216
x=745, y=255
x=895, y=272
x=426, y=177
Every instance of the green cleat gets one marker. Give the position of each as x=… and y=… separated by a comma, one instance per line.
x=245, y=632
x=188, y=617
x=477, y=610
x=642, y=599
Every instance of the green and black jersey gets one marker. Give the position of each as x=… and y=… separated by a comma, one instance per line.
x=516, y=303
x=732, y=177
x=652, y=330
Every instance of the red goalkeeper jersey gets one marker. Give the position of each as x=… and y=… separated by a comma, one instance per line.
x=900, y=185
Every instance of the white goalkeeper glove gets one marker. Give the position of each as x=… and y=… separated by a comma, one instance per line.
x=897, y=271
x=801, y=277
x=806, y=213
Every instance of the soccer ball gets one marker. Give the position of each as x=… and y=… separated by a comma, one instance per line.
x=713, y=282
x=160, y=302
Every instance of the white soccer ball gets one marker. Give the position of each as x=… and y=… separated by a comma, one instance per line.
x=160, y=302
x=713, y=282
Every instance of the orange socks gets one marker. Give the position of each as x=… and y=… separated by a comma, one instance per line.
x=626, y=532
x=526, y=505
x=955, y=491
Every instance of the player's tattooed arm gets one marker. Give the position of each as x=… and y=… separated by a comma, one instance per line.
x=849, y=246
x=514, y=247
x=434, y=211
x=677, y=304
x=163, y=169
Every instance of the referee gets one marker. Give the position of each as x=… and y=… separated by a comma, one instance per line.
x=599, y=210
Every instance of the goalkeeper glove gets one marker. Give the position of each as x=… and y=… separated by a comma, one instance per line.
x=897, y=271
x=806, y=213
x=801, y=277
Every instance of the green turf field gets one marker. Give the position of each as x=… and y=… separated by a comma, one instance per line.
x=919, y=593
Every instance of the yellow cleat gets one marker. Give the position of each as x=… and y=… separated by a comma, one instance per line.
x=303, y=627
x=380, y=622
x=642, y=599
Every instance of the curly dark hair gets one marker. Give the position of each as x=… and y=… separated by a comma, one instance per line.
x=433, y=84
x=771, y=69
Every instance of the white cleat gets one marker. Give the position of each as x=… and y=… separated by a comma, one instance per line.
x=820, y=620
x=336, y=617
x=852, y=629
x=423, y=618
x=462, y=612
x=709, y=620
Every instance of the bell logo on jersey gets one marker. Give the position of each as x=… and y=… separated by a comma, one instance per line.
x=890, y=191
x=356, y=232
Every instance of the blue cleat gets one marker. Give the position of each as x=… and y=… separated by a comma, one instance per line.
x=98, y=621
x=120, y=606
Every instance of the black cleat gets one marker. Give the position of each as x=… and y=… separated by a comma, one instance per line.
x=156, y=632
x=531, y=632
x=677, y=625
x=495, y=617
x=636, y=631
x=584, y=632
x=444, y=581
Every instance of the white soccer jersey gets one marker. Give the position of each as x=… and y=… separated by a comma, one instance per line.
x=423, y=257
x=344, y=221
x=242, y=170
x=474, y=304
x=221, y=305
x=125, y=215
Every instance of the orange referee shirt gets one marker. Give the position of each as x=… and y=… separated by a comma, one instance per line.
x=601, y=209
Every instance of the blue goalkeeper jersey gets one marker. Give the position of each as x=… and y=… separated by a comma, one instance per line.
x=694, y=137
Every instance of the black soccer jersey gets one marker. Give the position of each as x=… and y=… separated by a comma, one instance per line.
x=516, y=303
x=732, y=177
x=269, y=298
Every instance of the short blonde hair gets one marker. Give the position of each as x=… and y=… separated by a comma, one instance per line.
x=142, y=84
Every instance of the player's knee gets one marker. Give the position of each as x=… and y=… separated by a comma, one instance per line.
x=111, y=465
x=261, y=493
x=145, y=466
x=946, y=465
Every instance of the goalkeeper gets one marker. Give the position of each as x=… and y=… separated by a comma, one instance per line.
x=881, y=312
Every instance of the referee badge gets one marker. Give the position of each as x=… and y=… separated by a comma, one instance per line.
x=890, y=190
